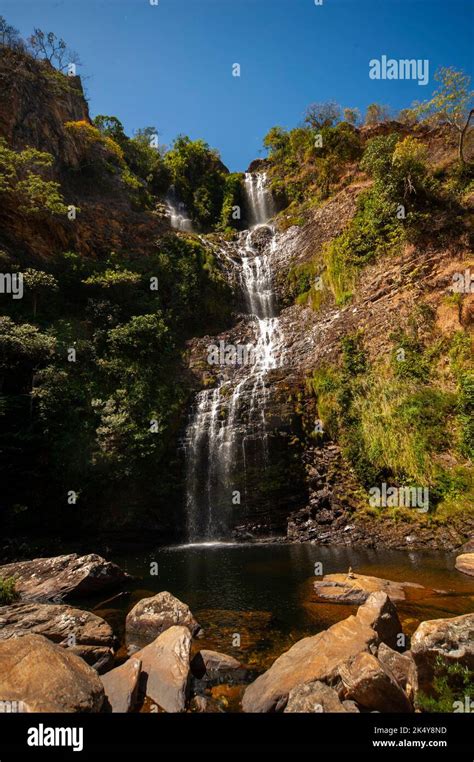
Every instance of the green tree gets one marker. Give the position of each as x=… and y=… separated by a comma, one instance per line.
x=451, y=104
x=352, y=116
x=376, y=113
x=319, y=115
x=21, y=177
x=38, y=283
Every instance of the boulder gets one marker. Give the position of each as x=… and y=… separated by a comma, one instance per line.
x=451, y=640
x=356, y=588
x=400, y=665
x=212, y=664
x=46, y=579
x=46, y=677
x=152, y=616
x=314, y=658
x=367, y=682
x=379, y=613
x=165, y=668
x=465, y=563
x=121, y=685
x=83, y=633
x=314, y=697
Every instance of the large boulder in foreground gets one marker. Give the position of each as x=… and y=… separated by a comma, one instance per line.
x=314, y=697
x=452, y=640
x=83, y=633
x=121, y=686
x=465, y=563
x=152, y=616
x=400, y=665
x=379, y=613
x=47, y=579
x=356, y=588
x=320, y=656
x=372, y=686
x=46, y=677
x=165, y=668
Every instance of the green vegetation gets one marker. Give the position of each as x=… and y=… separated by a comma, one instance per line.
x=8, y=593
x=22, y=179
x=452, y=685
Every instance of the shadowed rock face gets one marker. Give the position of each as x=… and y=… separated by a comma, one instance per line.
x=371, y=684
x=81, y=632
x=44, y=579
x=47, y=678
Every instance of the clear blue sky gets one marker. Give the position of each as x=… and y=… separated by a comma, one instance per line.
x=170, y=65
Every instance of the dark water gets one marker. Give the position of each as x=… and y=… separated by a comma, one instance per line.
x=263, y=593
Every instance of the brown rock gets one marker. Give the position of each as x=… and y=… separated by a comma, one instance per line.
x=314, y=697
x=45, y=579
x=310, y=659
x=372, y=686
x=379, y=613
x=165, y=666
x=465, y=563
x=81, y=632
x=342, y=588
x=451, y=640
x=47, y=677
x=213, y=664
x=152, y=616
x=400, y=665
x=121, y=685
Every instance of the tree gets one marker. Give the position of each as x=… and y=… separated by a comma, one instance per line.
x=319, y=115
x=408, y=117
x=352, y=116
x=37, y=283
x=111, y=127
x=451, y=104
x=20, y=177
x=9, y=36
x=376, y=113
x=49, y=47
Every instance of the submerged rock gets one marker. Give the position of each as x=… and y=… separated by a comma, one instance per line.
x=46, y=579
x=451, y=640
x=121, y=685
x=314, y=697
x=152, y=616
x=46, y=677
x=356, y=588
x=81, y=632
x=465, y=563
x=214, y=665
x=372, y=686
x=165, y=668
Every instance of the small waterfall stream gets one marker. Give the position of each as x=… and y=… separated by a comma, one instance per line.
x=228, y=422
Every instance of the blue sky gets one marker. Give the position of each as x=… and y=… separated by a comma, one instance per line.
x=170, y=65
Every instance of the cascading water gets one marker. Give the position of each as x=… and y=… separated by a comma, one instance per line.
x=177, y=212
x=216, y=437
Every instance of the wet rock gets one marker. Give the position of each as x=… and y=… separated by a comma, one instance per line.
x=81, y=632
x=371, y=685
x=200, y=704
x=46, y=579
x=314, y=697
x=152, y=616
x=400, y=665
x=165, y=668
x=451, y=640
x=121, y=685
x=314, y=658
x=47, y=677
x=356, y=588
x=213, y=665
x=465, y=563
x=379, y=613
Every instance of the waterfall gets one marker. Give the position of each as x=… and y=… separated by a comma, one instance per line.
x=230, y=419
x=177, y=211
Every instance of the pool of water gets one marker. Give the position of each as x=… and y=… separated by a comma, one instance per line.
x=255, y=600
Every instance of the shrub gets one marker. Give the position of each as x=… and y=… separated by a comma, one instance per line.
x=8, y=593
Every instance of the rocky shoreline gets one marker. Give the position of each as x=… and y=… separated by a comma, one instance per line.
x=58, y=658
